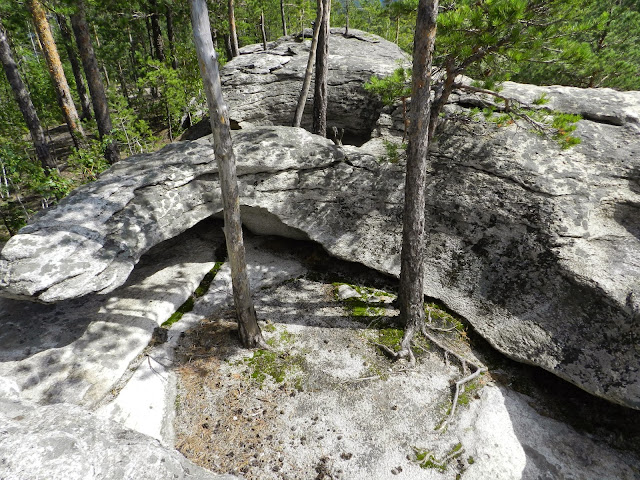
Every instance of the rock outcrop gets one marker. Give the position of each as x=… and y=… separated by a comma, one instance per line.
x=68, y=442
x=536, y=246
x=262, y=87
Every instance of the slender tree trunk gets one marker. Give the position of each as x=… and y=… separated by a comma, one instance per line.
x=227, y=46
x=123, y=85
x=346, y=8
x=172, y=38
x=158, y=43
x=43, y=152
x=233, y=34
x=96, y=87
x=147, y=23
x=85, y=103
x=57, y=73
x=411, y=298
x=262, y=31
x=248, y=328
x=284, y=19
x=302, y=99
x=322, y=69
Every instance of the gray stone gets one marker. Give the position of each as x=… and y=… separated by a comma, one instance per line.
x=67, y=442
x=262, y=87
x=536, y=246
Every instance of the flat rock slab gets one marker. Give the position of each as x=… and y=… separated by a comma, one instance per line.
x=77, y=350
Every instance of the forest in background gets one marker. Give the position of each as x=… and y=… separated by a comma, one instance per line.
x=147, y=63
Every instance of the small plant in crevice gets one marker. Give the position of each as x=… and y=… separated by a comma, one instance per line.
x=427, y=459
x=201, y=289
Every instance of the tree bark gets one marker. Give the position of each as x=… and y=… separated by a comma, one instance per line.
x=172, y=38
x=322, y=70
x=411, y=298
x=302, y=99
x=233, y=34
x=85, y=103
x=96, y=87
x=158, y=43
x=262, y=31
x=284, y=19
x=248, y=328
x=57, y=73
x=43, y=152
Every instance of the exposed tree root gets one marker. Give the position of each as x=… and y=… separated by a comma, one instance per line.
x=406, y=353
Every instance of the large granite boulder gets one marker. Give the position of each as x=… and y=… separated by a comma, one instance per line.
x=536, y=246
x=262, y=87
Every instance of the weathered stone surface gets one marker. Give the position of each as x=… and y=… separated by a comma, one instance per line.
x=536, y=246
x=78, y=350
x=262, y=87
x=67, y=442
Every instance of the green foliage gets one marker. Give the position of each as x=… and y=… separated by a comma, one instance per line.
x=392, y=88
x=89, y=162
x=393, y=150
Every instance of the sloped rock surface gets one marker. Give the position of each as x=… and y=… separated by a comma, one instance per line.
x=67, y=442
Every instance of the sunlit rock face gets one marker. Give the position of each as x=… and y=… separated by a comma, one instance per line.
x=537, y=246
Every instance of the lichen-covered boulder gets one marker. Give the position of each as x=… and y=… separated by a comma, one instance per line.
x=538, y=247
x=262, y=87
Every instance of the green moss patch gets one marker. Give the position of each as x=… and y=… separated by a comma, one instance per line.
x=282, y=367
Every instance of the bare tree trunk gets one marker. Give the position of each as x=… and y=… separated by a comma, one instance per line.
x=302, y=100
x=346, y=26
x=284, y=19
x=232, y=30
x=85, y=103
x=96, y=87
x=248, y=328
x=43, y=152
x=57, y=73
x=411, y=298
x=158, y=43
x=172, y=38
x=262, y=32
x=322, y=70
x=147, y=23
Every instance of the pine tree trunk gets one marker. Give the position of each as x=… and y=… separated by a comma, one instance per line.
x=57, y=73
x=43, y=152
x=322, y=69
x=302, y=99
x=85, y=103
x=262, y=31
x=233, y=34
x=172, y=38
x=249, y=331
x=284, y=19
x=411, y=298
x=158, y=43
x=96, y=87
